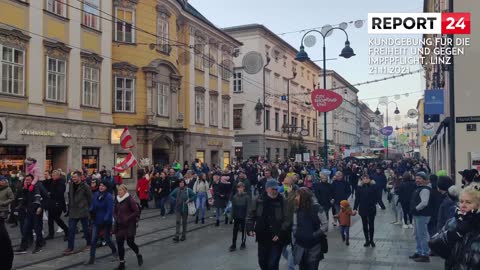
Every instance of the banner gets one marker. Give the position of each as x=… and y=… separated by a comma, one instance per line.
x=325, y=101
x=127, y=163
x=126, y=139
x=434, y=101
x=427, y=129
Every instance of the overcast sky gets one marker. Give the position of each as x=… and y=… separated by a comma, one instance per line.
x=285, y=16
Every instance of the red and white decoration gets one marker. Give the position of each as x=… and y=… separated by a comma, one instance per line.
x=325, y=101
x=128, y=162
x=126, y=139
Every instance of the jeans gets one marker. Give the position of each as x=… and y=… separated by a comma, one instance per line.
x=397, y=209
x=172, y=206
x=72, y=227
x=201, y=204
x=121, y=247
x=269, y=255
x=106, y=235
x=368, y=224
x=160, y=203
x=345, y=232
x=421, y=235
x=239, y=225
x=54, y=215
x=181, y=219
x=32, y=222
x=288, y=255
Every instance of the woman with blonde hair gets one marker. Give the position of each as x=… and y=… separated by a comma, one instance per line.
x=459, y=239
x=126, y=214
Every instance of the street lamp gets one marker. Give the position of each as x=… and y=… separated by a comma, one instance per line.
x=302, y=56
x=377, y=112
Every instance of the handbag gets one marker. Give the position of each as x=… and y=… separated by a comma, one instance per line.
x=191, y=208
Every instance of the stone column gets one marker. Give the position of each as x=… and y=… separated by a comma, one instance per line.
x=150, y=77
x=174, y=89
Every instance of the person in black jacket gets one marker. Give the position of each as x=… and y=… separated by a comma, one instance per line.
x=56, y=187
x=163, y=190
x=341, y=191
x=6, y=250
x=459, y=240
x=366, y=202
x=324, y=193
x=405, y=192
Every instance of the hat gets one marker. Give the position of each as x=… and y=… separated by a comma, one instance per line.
x=442, y=173
x=453, y=192
x=422, y=175
x=271, y=184
x=344, y=203
x=444, y=183
x=468, y=174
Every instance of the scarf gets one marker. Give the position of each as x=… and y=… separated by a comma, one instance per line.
x=121, y=199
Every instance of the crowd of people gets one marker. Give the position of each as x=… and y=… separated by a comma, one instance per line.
x=285, y=206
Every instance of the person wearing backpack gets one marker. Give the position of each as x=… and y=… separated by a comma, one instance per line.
x=102, y=211
x=181, y=195
x=126, y=214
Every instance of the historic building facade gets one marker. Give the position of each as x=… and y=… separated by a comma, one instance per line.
x=172, y=82
x=55, y=97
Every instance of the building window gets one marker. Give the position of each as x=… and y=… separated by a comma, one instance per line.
x=56, y=79
x=200, y=155
x=57, y=7
x=163, y=33
x=13, y=71
x=226, y=159
x=267, y=119
x=163, y=94
x=285, y=153
x=214, y=110
x=90, y=159
x=227, y=69
x=315, y=129
x=125, y=22
x=277, y=153
x=237, y=81
x=226, y=113
x=268, y=74
x=308, y=128
x=199, y=108
x=285, y=86
x=302, y=123
x=237, y=118
x=12, y=157
x=277, y=121
x=276, y=83
x=91, y=12
x=199, y=50
x=213, y=61
x=124, y=94
x=91, y=78
x=268, y=153
x=285, y=117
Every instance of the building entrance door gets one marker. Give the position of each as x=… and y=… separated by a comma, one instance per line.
x=56, y=158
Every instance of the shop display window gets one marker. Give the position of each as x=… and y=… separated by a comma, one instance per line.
x=90, y=159
x=119, y=157
x=13, y=157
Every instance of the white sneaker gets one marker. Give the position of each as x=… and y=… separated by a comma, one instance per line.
x=59, y=230
x=405, y=226
x=410, y=226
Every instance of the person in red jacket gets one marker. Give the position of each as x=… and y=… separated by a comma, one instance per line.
x=142, y=189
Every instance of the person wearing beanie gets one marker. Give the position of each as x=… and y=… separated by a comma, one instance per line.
x=422, y=211
x=345, y=218
x=101, y=211
x=447, y=207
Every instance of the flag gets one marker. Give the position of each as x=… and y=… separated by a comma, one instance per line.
x=127, y=163
x=126, y=139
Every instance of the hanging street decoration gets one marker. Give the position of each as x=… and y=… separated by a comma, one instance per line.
x=325, y=101
x=386, y=131
x=412, y=113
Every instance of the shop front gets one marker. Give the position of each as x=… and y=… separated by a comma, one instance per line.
x=209, y=149
x=55, y=144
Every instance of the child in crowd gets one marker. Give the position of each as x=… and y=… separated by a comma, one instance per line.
x=345, y=216
x=240, y=206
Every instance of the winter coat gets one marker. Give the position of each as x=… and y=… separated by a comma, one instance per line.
x=246, y=183
x=142, y=188
x=79, y=200
x=165, y=186
x=240, y=206
x=126, y=214
x=267, y=218
x=102, y=208
x=221, y=192
x=405, y=192
x=345, y=217
x=190, y=182
x=31, y=198
x=366, y=199
x=6, y=198
x=460, y=253
x=380, y=179
x=341, y=190
x=56, y=194
x=324, y=194
x=446, y=211
x=5, y=249
x=311, y=225
x=186, y=194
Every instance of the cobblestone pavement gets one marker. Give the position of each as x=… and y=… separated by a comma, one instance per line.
x=206, y=247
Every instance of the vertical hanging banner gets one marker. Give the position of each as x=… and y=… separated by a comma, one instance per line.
x=434, y=101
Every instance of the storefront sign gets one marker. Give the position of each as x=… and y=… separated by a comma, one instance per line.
x=214, y=143
x=3, y=128
x=31, y=132
x=386, y=131
x=427, y=129
x=115, y=134
x=434, y=101
x=468, y=119
x=70, y=135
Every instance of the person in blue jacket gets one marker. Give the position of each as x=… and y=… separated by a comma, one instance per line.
x=101, y=210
